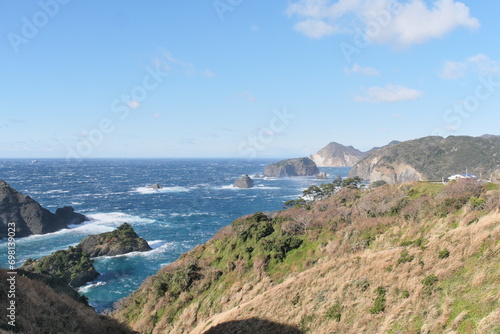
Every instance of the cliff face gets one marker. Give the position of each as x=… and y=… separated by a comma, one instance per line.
x=292, y=167
x=39, y=309
x=430, y=158
x=29, y=216
x=120, y=241
x=337, y=155
x=391, y=259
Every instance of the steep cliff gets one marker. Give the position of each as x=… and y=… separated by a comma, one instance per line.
x=337, y=155
x=292, y=167
x=430, y=158
x=29, y=217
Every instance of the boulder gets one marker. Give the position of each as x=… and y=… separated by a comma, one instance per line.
x=244, y=182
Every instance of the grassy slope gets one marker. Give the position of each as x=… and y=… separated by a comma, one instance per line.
x=414, y=258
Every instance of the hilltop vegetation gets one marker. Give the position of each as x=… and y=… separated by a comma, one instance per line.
x=71, y=266
x=431, y=158
x=411, y=258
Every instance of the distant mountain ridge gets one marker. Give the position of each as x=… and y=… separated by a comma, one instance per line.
x=338, y=155
x=431, y=158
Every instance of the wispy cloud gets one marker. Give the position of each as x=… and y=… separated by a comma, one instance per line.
x=401, y=23
x=389, y=93
x=171, y=63
x=356, y=69
x=207, y=73
x=255, y=27
x=480, y=63
x=248, y=96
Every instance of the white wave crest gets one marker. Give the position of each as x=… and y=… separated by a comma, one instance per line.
x=148, y=190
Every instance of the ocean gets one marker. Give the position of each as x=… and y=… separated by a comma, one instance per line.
x=197, y=200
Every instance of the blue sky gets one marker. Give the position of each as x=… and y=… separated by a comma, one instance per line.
x=240, y=78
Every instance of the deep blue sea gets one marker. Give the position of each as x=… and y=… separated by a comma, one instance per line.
x=197, y=200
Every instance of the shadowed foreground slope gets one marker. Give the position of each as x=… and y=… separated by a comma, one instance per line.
x=39, y=309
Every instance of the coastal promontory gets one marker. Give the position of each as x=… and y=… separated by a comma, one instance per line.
x=431, y=158
x=292, y=167
x=26, y=216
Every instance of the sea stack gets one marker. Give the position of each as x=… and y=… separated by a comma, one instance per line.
x=244, y=182
x=292, y=167
x=123, y=240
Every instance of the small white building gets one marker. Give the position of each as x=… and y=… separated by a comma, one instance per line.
x=463, y=177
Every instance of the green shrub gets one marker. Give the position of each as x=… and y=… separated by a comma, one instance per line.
x=444, y=253
x=429, y=283
x=377, y=184
x=379, y=304
x=477, y=203
x=334, y=312
x=405, y=257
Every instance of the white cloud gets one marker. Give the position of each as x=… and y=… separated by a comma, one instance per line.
x=248, y=96
x=480, y=64
x=389, y=93
x=314, y=28
x=368, y=71
x=383, y=21
x=453, y=70
x=207, y=73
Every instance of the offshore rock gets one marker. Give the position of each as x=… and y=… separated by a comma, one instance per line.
x=244, y=182
x=123, y=240
x=292, y=167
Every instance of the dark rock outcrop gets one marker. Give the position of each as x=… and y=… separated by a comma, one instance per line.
x=71, y=266
x=244, y=182
x=292, y=167
x=322, y=176
x=29, y=217
x=156, y=186
x=120, y=241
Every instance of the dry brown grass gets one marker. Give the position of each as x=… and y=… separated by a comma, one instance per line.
x=388, y=238
x=41, y=310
